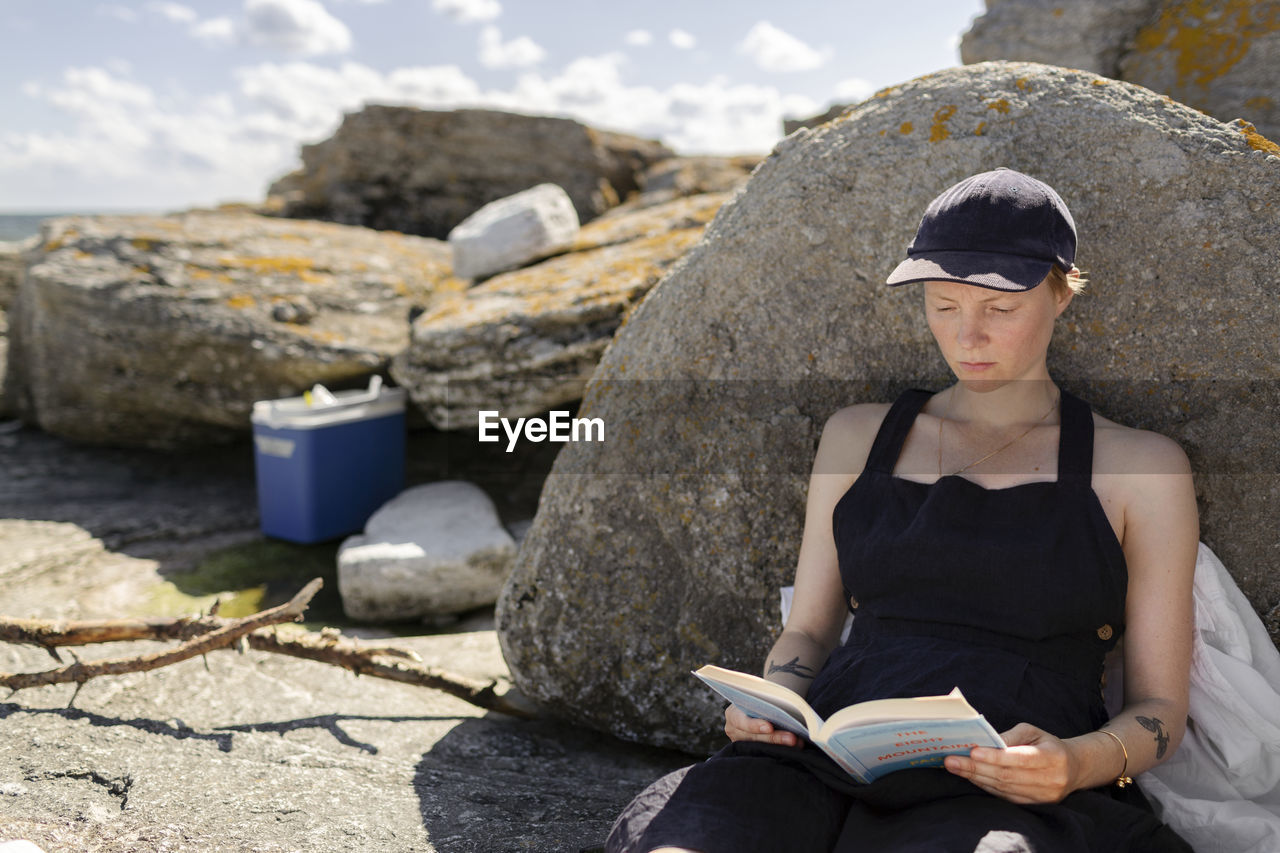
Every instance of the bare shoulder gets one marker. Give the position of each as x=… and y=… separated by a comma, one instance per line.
x=848, y=435
x=1118, y=449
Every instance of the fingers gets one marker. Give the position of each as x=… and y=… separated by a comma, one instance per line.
x=1022, y=733
x=740, y=726
x=1035, y=772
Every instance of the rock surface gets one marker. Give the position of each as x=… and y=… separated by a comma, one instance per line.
x=675, y=177
x=434, y=550
x=664, y=548
x=1086, y=34
x=163, y=331
x=257, y=752
x=513, y=231
x=1220, y=57
x=12, y=262
x=526, y=341
x=424, y=171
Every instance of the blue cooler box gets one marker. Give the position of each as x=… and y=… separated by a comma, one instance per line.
x=326, y=461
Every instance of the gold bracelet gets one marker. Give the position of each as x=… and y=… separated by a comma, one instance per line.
x=1122, y=779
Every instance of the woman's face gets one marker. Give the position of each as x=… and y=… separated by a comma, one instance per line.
x=990, y=337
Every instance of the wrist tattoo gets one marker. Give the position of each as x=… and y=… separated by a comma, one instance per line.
x=793, y=666
x=1155, y=724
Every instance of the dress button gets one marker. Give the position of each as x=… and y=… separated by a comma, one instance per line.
x=1104, y=633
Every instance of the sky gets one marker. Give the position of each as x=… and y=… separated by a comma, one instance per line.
x=167, y=104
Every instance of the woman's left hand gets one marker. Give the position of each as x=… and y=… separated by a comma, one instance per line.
x=1035, y=768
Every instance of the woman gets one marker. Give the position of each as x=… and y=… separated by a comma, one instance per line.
x=997, y=536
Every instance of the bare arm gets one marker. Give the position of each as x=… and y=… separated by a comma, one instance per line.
x=818, y=608
x=1161, y=534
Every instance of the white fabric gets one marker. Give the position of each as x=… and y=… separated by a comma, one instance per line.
x=1221, y=789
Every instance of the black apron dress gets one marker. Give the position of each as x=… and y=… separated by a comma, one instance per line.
x=1013, y=595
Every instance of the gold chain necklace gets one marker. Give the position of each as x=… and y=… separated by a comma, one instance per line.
x=1004, y=446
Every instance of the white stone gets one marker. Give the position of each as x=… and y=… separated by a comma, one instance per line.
x=434, y=550
x=513, y=231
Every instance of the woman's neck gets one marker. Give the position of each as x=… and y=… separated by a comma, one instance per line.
x=1018, y=402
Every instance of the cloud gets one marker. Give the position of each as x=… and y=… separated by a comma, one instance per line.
x=215, y=32
x=681, y=39
x=302, y=27
x=128, y=145
x=773, y=49
x=520, y=52
x=638, y=38
x=854, y=89
x=120, y=13
x=468, y=11
x=174, y=11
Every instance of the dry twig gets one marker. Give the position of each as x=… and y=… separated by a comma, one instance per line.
x=207, y=633
x=234, y=629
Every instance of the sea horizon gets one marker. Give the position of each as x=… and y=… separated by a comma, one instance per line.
x=21, y=224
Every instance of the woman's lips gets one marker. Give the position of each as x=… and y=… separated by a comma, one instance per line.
x=976, y=366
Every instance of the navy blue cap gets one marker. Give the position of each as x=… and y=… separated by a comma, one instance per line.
x=1001, y=230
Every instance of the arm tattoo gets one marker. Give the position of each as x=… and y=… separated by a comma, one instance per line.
x=1154, y=724
x=792, y=666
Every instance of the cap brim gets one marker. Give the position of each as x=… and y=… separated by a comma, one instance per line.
x=996, y=272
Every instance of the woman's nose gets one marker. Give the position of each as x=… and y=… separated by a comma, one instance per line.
x=972, y=332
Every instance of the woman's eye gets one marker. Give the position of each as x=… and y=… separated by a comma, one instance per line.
x=944, y=308
x=1002, y=310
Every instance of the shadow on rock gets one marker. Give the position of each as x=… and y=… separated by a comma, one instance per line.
x=180, y=731
x=498, y=784
x=331, y=724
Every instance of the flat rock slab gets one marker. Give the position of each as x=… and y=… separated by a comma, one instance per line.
x=257, y=752
x=526, y=341
x=162, y=331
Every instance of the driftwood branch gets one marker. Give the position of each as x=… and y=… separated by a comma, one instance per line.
x=233, y=630
x=327, y=646
x=330, y=647
x=49, y=634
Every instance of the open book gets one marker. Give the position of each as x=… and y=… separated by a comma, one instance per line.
x=868, y=739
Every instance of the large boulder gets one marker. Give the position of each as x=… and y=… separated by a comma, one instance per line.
x=162, y=331
x=13, y=258
x=663, y=548
x=1221, y=57
x=525, y=341
x=424, y=171
x=1086, y=34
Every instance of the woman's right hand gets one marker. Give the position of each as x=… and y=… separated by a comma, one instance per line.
x=739, y=726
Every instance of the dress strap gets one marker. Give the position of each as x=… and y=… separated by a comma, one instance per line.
x=894, y=428
x=1075, y=441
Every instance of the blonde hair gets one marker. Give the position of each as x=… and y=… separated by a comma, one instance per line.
x=1062, y=282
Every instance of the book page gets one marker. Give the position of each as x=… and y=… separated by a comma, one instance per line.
x=791, y=719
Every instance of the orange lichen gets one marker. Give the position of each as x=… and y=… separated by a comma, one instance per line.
x=1207, y=37
x=283, y=265
x=905, y=128
x=1000, y=105
x=938, y=131
x=241, y=300
x=1022, y=83
x=1058, y=12
x=1259, y=102
x=1257, y=141
x=981, y=129
x=1101, y=81
x=144, y=244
